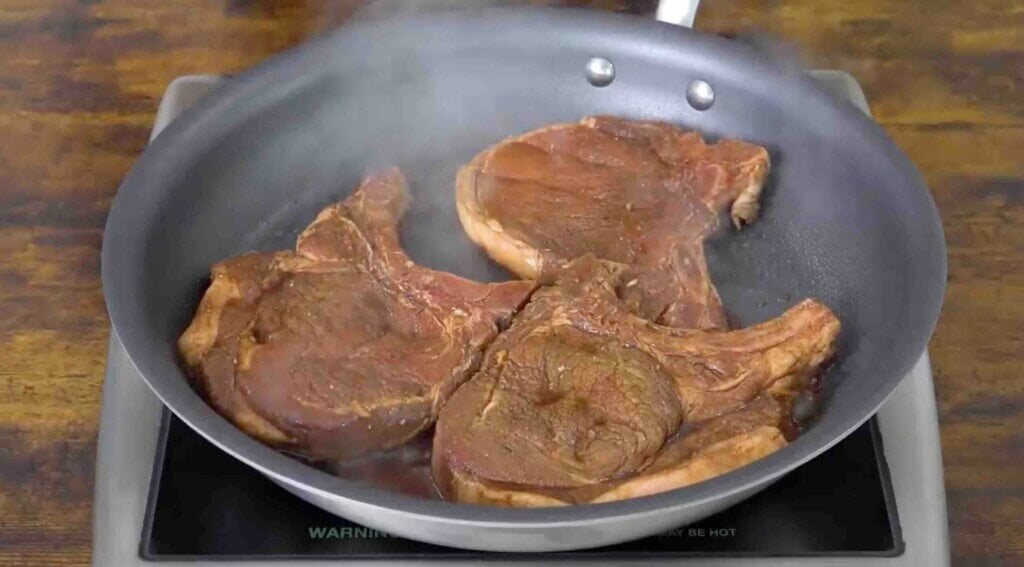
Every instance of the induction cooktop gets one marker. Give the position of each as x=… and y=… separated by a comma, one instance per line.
x=203, y=503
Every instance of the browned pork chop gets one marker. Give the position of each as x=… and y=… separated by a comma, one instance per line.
x=634, y=192
x=344, y=346
x=580, y=395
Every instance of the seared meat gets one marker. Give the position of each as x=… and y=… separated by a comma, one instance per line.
x=209, y=346
x=580, y=395
x=344, y=346
x=633, y=192
x=710, y=448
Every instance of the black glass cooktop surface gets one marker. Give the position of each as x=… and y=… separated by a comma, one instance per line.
x=205, y=504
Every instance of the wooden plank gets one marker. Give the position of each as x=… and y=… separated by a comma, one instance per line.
x=80, y=81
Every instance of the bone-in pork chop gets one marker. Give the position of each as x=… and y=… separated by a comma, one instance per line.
x=633, y=192
x=345, y=345
x=580, y=395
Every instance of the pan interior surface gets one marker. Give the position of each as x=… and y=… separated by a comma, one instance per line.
x=845, y=217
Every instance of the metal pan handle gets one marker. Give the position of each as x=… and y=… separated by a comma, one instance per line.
x=678, y=12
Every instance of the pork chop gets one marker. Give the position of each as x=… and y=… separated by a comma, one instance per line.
x=580, y=395
x=628, y=191
x=345, y=345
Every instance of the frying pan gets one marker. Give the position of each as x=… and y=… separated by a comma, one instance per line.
x=846, y=217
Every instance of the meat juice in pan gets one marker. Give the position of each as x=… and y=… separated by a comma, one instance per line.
x=404, y=469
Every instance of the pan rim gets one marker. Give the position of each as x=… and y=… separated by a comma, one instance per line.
x=184, y=402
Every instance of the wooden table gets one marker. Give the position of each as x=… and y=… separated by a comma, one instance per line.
x=80, y=81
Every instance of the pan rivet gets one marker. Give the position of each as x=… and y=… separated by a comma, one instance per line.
x=600, y=72
x=700, y=95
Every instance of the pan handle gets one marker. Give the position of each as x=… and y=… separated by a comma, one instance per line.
x=678, y=12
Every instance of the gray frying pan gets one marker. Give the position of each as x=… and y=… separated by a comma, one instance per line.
x=846, y=218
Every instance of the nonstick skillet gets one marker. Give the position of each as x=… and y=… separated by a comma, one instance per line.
x=846, y=217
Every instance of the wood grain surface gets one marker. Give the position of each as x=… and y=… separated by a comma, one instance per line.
x=80, y=82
